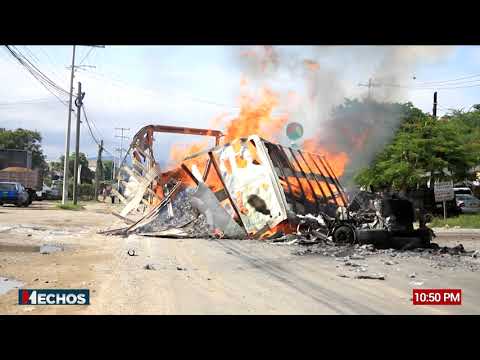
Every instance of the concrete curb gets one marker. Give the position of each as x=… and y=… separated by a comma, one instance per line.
x=441, y=230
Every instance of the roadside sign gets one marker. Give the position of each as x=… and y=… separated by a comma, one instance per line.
x=443, y=191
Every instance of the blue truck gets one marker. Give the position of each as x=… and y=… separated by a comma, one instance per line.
x=13, y=193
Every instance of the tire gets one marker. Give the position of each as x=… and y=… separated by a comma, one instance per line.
x=344, y=235
x=428, y=218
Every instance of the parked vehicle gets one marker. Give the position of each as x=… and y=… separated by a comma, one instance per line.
x=54, y=193
x=462, y=191
x=424, y=198
x=32, y=180
x=468, y=203
x=13, y=193
x=42, y=194
x=39, y=195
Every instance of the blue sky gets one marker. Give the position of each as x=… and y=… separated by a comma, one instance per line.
x=133, y=86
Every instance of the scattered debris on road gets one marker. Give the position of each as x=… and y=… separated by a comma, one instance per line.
x=372, y=277
x=150, y=267
x=48, y=249
x=7, y=284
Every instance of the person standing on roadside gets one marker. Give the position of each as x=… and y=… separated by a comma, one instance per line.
x=112, y=195
x=104, y=193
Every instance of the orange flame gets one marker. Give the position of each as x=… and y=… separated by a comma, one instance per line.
x=336, y=160
x=284, y=227
x=179, y=151
x=256, y=117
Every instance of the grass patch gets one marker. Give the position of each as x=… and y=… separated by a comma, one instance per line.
x=467, y=221
x=70, y=206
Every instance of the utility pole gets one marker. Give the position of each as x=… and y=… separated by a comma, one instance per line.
x=67, y=133
x=435, y=105
x=98, y=168
x=121, y=149
x=78, y=104
x=67, y=136
x=370, y=85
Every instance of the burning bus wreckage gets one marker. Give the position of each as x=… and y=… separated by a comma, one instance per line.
x=251, y=188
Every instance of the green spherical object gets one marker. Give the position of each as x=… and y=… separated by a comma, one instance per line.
x=294, y=131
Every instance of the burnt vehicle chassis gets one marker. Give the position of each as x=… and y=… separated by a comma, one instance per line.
x=382, y=221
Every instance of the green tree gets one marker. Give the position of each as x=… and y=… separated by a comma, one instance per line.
x=107, y=169
x=421, y=145
x=86, y=174
x=22, y=139
x=360, y=128
x=57, y=165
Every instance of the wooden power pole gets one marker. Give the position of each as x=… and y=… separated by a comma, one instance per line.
x=370, y=85
x=67, y=132
x=434, y=105
x=78, y=103
x=98, y=168
x=67, y=136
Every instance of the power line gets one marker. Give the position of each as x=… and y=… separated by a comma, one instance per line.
x=446, y=81
x=46, y=78
x=51, y=63
x=156, y=92
x=93, y=124
x=26, y=102
x=88, y=53
x=31, y=54
x=458, y=87
x=48, y=84
x=91, y=132
x=440, y=87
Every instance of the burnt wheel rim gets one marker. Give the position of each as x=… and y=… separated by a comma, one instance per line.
x=343, y=234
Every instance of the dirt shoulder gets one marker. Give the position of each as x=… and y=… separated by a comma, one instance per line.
x=85, y=254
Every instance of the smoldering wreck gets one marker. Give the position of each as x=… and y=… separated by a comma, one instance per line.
x=251, y=188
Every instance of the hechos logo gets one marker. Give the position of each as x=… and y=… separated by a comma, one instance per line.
x=53, y=297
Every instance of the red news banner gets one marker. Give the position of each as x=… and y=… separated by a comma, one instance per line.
x=437, y=297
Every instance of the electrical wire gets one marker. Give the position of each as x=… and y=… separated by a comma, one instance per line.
x=36, y=76
x=51, y=63
x=26, y=102
x=93, y=123
x=88, y=53
x=447, y=81
x=442, y=87
x=31, y=54
x=155, y=93
x=44, y=80
x=91, y=132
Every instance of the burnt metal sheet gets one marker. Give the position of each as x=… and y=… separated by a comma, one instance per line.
x=249, y=178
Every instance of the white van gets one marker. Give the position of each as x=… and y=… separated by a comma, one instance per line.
x=462, y=191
